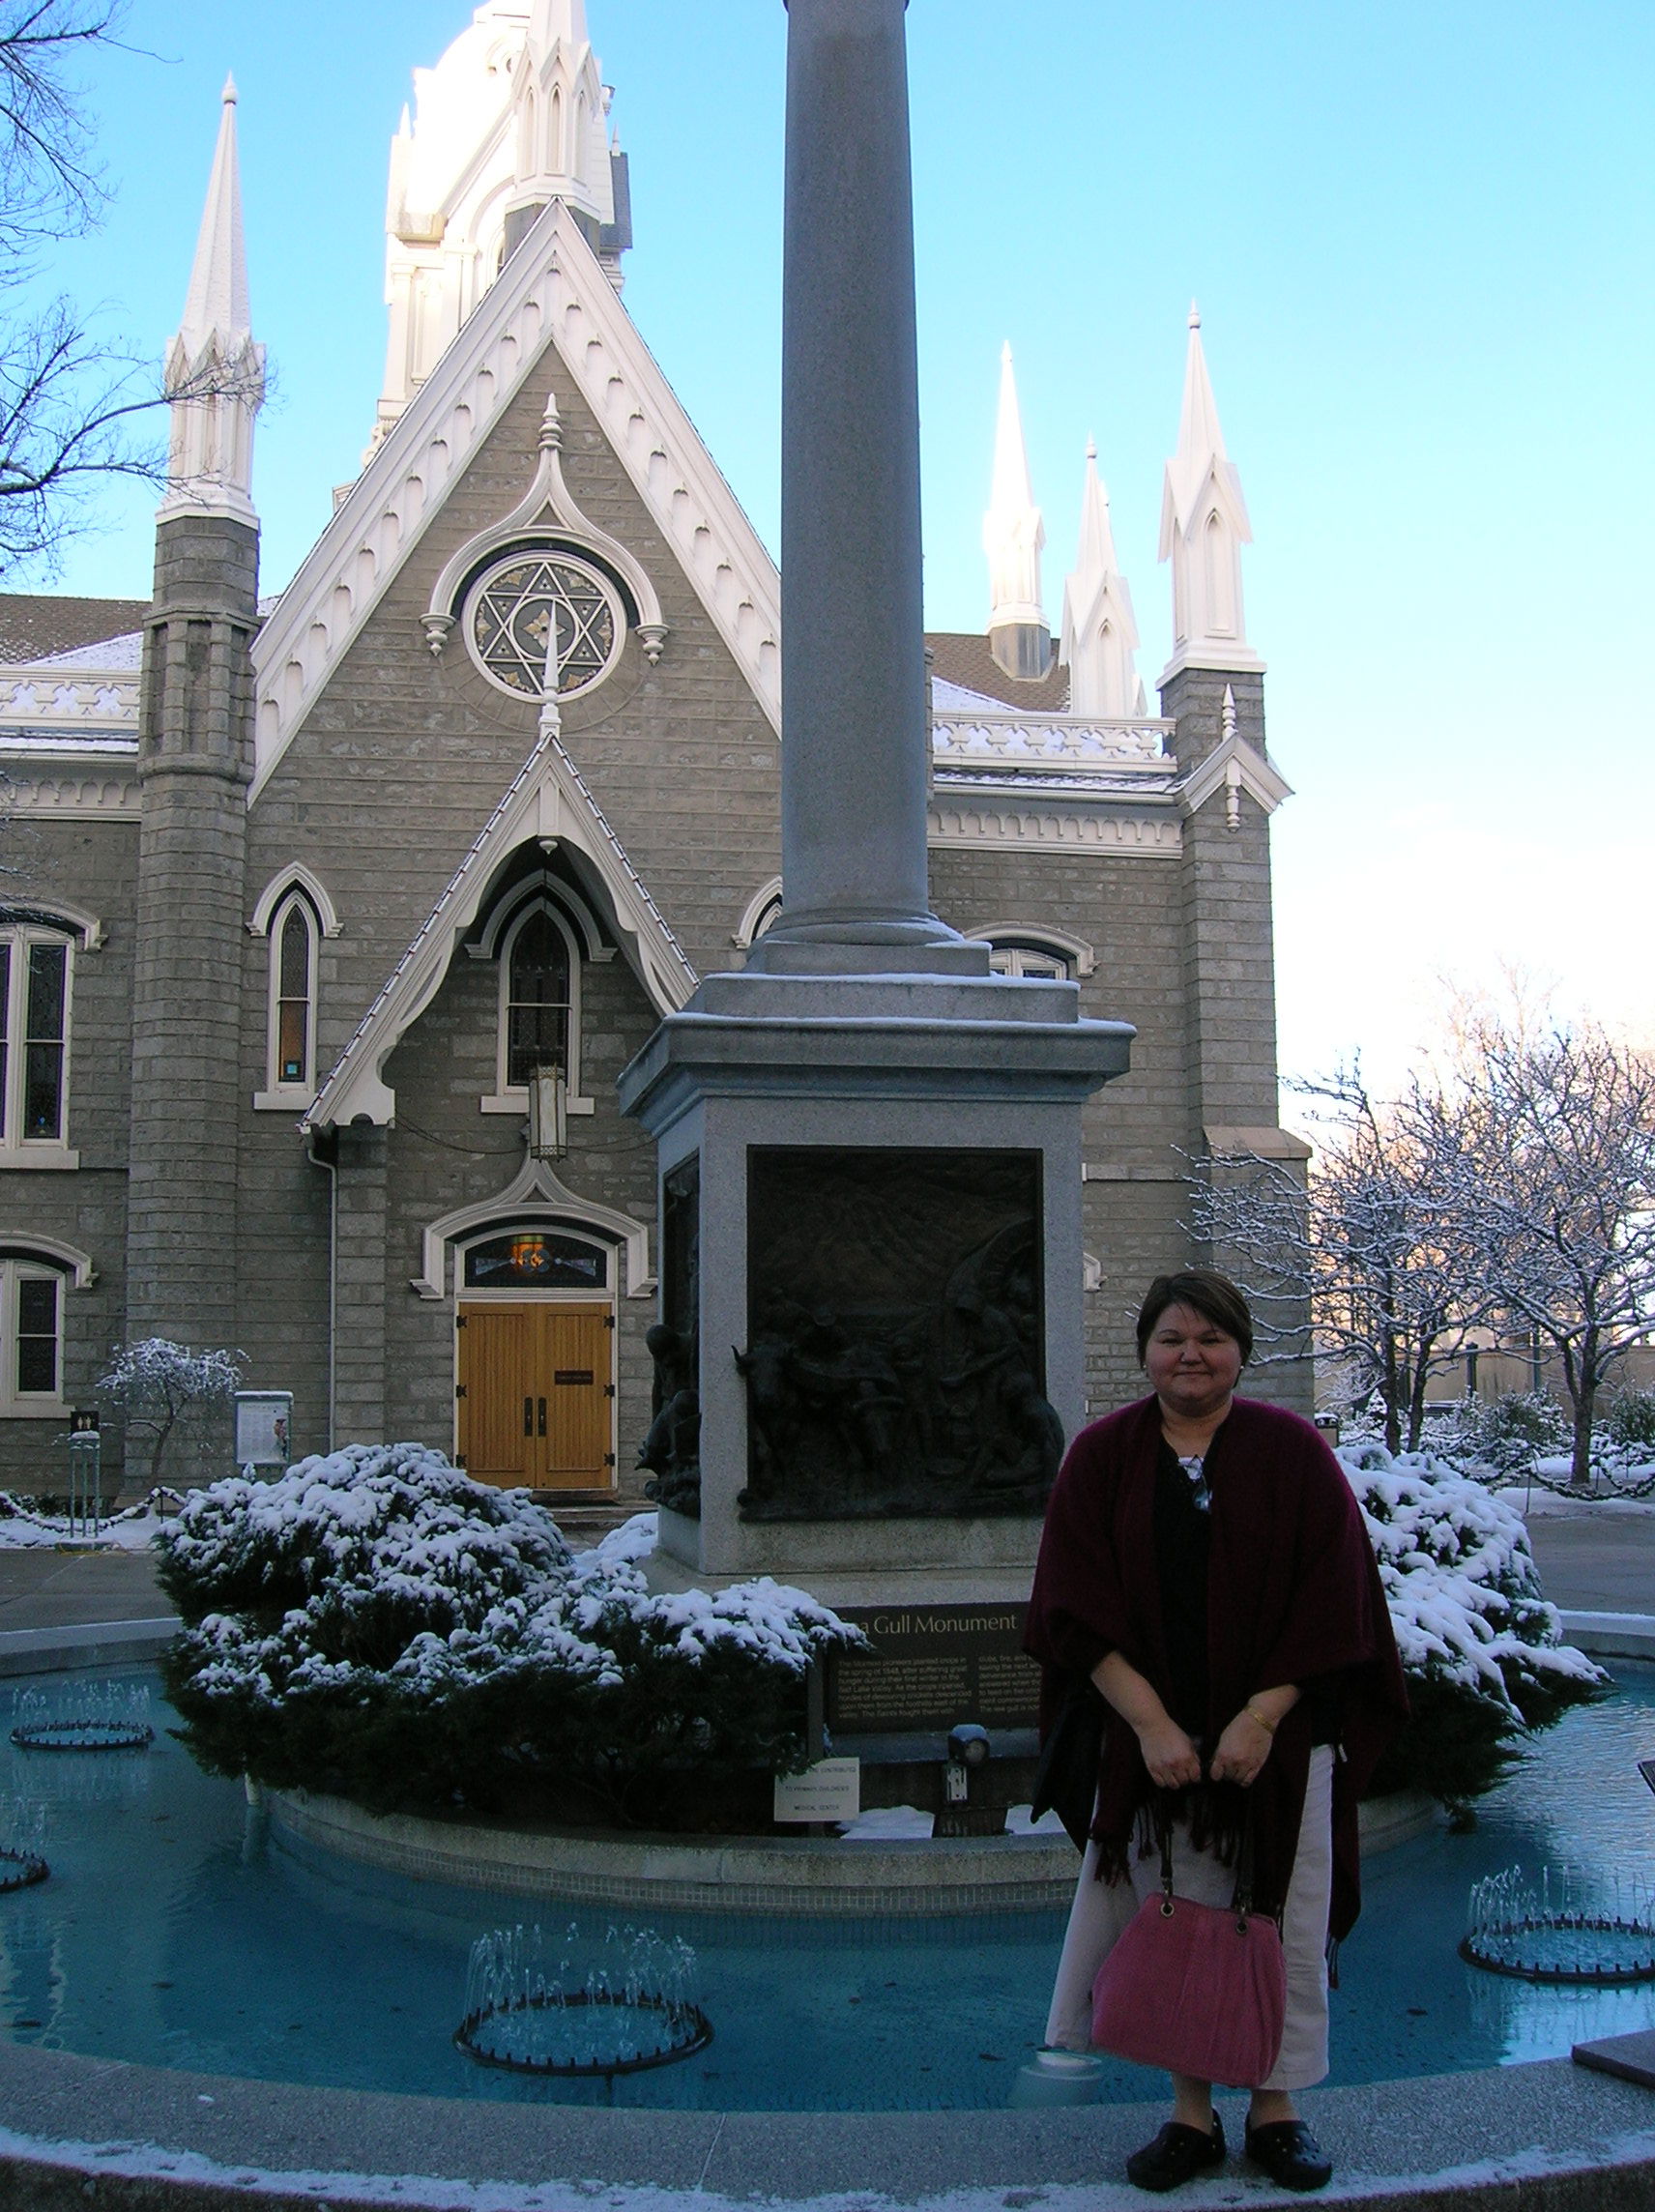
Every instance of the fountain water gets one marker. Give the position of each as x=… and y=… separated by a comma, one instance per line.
x=1571, y=1928
x=81, y=1715
x=573, y=2006
x=22, y=1843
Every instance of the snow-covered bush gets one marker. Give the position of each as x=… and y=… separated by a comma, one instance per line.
x=1510, y=1434
x=1629, y=1423
x=376, y=1622
x=1481, y=1649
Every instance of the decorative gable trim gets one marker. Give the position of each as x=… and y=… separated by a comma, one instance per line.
x=552, y=286
x=535, y=1194
x=547, y=504
x=1236, y=768
x=549, y=801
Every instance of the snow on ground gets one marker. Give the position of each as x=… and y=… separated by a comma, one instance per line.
x=128, y=1530
x=903, y=1824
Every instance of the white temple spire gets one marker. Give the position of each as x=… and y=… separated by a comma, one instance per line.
x=1203, y=526
x=1013, y=534
x=514, y=115
x=214, y=372
x=1099, y=634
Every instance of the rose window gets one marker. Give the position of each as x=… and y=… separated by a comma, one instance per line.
x=517, y=607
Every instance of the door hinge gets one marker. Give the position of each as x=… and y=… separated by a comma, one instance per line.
x=459, y=1321
x=609, y=1458
x=609, y=1321
x=459, y=1389
x=609, y=1389
x=459, y=1459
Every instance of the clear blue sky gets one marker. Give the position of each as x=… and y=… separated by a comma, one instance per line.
x=1420, y=237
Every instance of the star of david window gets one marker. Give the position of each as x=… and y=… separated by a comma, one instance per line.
x=516, y=607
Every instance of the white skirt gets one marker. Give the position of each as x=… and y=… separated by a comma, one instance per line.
x=1102, y=1909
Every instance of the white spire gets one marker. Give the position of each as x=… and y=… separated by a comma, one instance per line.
x=1099, y=634
x=515, y=115
x=558, y=109
x=1013, y=534
x=1203, y=526
x=214, y=372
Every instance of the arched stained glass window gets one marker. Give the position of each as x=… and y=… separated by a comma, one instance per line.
x=537, y=998
x=294, y=932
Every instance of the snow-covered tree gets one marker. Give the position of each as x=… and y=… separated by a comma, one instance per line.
x=158, y=1385
x=1368, y=1241
x=1555, y=1194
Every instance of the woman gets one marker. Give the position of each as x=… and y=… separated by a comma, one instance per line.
x=1205, y=1564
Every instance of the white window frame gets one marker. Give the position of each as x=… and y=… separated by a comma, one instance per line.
x=278, y=1096
x=31, y=1405
x=16, y=1150
x=514, y=1099
x=1078, y=958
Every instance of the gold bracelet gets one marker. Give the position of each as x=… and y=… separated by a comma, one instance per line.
x=1254, y=1714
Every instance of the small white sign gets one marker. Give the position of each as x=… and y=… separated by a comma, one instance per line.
x=830, y=1790
x=264, y=1427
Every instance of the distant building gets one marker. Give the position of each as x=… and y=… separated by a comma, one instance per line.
x=309, y=898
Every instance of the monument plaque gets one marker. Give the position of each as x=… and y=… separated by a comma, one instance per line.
x=931, y=1666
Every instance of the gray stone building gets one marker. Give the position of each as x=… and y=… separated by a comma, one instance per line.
x=332, y=920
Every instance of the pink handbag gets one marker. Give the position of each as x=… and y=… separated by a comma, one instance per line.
x=1197, y=1989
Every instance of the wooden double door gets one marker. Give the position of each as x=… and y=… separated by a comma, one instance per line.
x=535, y=1393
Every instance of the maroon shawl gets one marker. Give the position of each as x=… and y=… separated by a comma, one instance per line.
x=1293, y=1593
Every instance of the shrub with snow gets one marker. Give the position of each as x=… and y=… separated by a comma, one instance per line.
x=376, y=1622
x=1482, y=1649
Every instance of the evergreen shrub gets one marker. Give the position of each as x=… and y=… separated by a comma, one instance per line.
x=377, y=1624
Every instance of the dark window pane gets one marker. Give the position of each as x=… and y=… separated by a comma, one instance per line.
x=539, y=960
x=4, y=992
x=36, y=1333
x=537, y=999
x=47, y=966
x=295, y=956
x=37, y=1363
x=43, y=1090
x=291, y=1025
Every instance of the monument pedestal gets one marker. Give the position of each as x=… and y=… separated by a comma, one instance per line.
x=871, y=1264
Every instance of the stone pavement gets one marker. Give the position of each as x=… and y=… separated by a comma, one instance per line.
x=60, y=1589
x=1596, y=1562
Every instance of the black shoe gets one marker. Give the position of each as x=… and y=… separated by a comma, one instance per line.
x=1176, y=2153
x=1289, y=2154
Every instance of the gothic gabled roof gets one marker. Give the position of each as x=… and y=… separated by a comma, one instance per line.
x=553, y=288
x=548, y=801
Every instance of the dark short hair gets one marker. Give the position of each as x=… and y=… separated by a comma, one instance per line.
x=1209, y=1292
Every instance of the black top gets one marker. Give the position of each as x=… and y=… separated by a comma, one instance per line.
x=1184, y=1541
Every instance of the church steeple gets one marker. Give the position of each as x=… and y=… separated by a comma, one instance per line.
x=1099, y=636
x=1013, y=534
x=214, y=372
x=1203, y=526
x=515, y=115
x=558, y=108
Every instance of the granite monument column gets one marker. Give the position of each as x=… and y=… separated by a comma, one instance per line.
x=854, y=746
